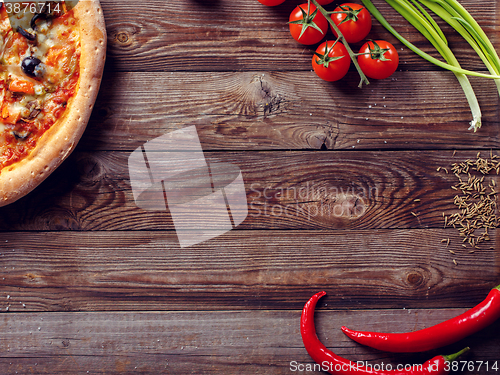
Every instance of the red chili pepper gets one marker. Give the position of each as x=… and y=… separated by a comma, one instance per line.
x=337, y=365
x=442, y=334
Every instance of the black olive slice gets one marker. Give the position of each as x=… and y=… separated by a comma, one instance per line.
x=26, y=34
x=43, y=14
x=29, y=66
x=35, y=18
x=20, y=136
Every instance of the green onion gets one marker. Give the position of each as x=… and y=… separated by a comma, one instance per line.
x=379, y=17
x=458, y=17
x=431, y=20
x=421, y=22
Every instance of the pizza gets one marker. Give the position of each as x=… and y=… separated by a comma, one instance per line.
x=52, y=57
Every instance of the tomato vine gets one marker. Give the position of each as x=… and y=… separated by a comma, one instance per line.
x=350, y=23
x=352, y=55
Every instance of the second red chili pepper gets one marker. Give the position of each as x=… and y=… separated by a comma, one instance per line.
x=337, y=365
x=442, y=334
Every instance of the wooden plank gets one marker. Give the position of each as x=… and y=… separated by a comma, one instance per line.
x=285, y=190
x=283, y=110
x=143, y=270
x=229, y=342
x=231, y=36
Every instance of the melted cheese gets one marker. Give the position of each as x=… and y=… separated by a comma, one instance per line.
x=56, y=41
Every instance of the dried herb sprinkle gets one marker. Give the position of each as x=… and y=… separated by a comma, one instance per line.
x=476, y=200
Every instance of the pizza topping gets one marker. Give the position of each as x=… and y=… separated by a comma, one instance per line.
x=33, y=109
x=39, y=73
x=32, y=66
x=35, y=18
x=10, y=114
x=20, y=135
x=26, y=34
x=17, y=85
x=50, y=9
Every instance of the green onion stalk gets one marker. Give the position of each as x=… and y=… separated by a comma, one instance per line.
x=420, y=19
x=461, y=20
x=453, y=13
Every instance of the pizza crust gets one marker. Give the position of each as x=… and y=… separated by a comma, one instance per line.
x=59, y=141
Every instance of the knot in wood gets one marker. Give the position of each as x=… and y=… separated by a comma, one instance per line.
x=122, y=37
x=416, y=278
x=331, y=205
x=90, y=169
x=262, y=96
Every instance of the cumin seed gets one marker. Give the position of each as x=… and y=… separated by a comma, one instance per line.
x=477, y=199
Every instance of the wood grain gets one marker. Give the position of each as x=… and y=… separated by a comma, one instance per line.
x=285, y=190
x=290, y=111
x=247, y=342
x=109, y=271
x=232, y=36
x=343, y=188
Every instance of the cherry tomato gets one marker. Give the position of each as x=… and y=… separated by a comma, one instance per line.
x=307, y=27
x=354, y=22
x=331, y=61
x=271, y=3
x=324, y=2
x=378, y=59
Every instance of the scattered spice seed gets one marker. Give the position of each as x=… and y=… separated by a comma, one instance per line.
x=477, y=206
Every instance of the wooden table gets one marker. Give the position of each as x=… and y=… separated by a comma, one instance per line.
x=344, y=195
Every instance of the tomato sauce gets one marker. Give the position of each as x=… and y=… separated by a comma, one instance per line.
x=34, y=104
